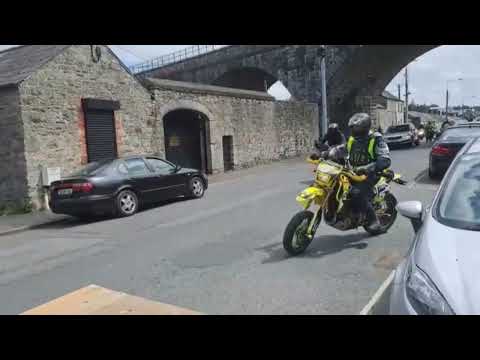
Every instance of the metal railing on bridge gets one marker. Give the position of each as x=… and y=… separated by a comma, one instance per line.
x=174, y=57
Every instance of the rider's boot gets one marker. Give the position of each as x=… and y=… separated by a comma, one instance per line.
x=372, y=219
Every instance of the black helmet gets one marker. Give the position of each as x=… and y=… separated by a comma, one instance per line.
x=360, y=124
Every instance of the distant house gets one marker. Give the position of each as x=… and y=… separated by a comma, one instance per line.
x=388, y=110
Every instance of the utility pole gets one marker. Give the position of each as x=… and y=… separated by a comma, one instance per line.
x=323, y=76
x=446, y=106
x=406, y=96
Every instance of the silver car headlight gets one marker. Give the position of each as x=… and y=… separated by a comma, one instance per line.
x=423, y=295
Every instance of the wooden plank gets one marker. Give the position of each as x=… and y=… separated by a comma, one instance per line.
x=95, y=300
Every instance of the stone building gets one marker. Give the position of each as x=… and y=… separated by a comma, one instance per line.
x=389, y=110
x=67, y=105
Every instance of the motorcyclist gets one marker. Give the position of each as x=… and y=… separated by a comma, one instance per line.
x=333, y=137
x=430, y=131
x=369, y=155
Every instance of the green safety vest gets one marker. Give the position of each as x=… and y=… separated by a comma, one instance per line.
x=371, y=147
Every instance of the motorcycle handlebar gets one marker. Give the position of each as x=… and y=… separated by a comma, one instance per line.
x=361, y=178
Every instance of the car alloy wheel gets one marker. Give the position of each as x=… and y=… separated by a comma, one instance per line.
x=127, y=203
x=197, y=187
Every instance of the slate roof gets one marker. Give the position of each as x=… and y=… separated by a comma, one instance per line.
x=18, y=63
x=390, y=96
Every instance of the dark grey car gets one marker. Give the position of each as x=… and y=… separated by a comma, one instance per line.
x=121, y=186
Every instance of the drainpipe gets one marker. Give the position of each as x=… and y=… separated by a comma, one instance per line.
x=323, y=76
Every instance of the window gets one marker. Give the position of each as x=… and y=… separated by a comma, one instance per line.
x=398, y=129
x=460, y=134
x=459, y=204
x=94, y=168
x=160, y=167
x=122, y=168
x=137, y=167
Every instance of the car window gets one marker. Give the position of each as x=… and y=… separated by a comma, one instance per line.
x=122, y=168
x=397, y=129
x=137, y=167
x=459, y=203
x=94, y=168
x=160, y=166
x=460, y=134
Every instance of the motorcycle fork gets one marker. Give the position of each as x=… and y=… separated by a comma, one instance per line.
x=313, y=226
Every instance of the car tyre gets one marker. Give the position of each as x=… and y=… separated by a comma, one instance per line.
x=432, y=174
x=196, y=188
x=126, y=203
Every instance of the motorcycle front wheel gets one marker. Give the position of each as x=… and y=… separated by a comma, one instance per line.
x=386, y=216
x=295, y=240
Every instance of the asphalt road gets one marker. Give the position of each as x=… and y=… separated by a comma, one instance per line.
x=218, y=255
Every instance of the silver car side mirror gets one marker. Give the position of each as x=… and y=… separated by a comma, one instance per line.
x=412, y=210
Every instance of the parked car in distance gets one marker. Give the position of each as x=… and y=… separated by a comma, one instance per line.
x=121, y=186
x=447, y=145
x=405, y=134
x=439, y=275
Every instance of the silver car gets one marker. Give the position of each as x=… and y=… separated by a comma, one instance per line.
x=405, y=134
x=441, y=273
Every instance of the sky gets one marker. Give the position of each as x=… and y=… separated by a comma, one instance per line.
x=428, y=74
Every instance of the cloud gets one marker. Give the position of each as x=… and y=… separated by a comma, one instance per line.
x=428, y=76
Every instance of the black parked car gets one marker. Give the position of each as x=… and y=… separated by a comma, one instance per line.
x=447, y=145
x=121, y=186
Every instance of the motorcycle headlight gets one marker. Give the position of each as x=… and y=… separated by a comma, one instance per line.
x=424, y=296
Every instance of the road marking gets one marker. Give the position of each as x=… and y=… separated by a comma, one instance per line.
x=367, y=310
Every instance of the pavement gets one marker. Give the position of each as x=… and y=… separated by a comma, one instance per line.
x=221, y=254
x=10, y=224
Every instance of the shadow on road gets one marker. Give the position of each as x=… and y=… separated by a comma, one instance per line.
x=320, y=247
x=72, y=222
x=408, y=147
x=423, y=179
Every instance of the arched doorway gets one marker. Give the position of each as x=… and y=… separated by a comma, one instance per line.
x=187, y=134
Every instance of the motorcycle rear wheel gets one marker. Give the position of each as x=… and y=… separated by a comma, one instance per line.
x=386, y=218
x=295, y=241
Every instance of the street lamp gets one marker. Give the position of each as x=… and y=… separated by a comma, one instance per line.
x=446, y=102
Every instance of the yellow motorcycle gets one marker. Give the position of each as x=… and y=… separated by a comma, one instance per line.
x=331, y=193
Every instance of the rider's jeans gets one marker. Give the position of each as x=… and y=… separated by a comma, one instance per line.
x=362, y=195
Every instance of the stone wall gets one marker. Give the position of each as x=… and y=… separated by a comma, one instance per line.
x=53, y=116
x=13, y=186
x=262, y=129
x=54, y=126
x=297, y=127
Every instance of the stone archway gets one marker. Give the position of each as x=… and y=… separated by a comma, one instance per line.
x=187, y=134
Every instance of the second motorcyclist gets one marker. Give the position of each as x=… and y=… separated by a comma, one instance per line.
x=333, y=137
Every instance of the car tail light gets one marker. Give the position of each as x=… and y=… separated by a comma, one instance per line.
x=82, y=187
x=441, y=150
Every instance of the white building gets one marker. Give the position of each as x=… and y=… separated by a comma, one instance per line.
x=389, y=110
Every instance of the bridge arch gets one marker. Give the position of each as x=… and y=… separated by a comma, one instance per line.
x=355, y=73
x=364, y=75
x=247, y=78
